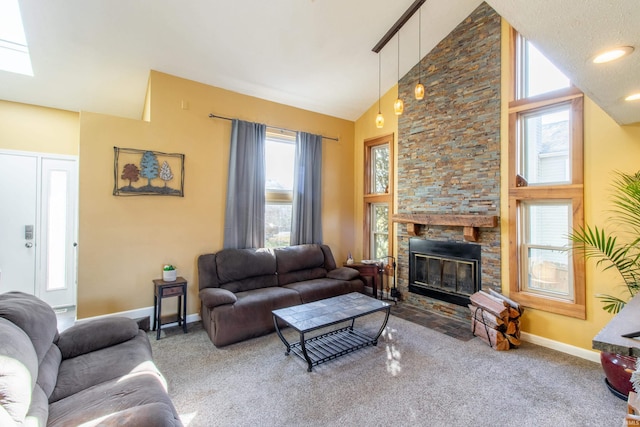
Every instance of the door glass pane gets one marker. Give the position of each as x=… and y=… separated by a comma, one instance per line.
x=277, y=224
x=545, y=146
x=57, y=230
x=540, y=75
x=546, y=262
x=379, y=230
x=380, y=169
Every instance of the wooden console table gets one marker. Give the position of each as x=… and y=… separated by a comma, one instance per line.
x=369, y=270
x=610, y=338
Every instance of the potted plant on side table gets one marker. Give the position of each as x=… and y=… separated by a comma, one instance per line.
x=618, y=250
x=169, y=273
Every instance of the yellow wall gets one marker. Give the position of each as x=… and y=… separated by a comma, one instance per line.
x=608, y=147
x=365, y=129
x=39, y=129
x=124, y=241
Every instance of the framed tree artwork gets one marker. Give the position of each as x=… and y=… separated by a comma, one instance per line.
x=146, y=172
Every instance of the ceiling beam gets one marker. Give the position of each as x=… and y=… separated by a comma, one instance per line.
x=399, y=24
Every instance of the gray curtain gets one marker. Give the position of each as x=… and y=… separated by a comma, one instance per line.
x=306, y=224
x=244, y=217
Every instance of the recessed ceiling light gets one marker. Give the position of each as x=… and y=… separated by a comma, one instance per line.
x=634, y=97
x=612, y=54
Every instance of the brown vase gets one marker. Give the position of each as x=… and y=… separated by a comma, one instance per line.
x=617, y=369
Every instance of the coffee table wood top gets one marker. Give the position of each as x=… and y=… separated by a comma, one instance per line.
x=308, y=317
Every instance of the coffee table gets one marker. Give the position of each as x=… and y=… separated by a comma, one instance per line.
x=306, y=318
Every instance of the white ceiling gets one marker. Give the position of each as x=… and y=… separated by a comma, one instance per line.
x=312, y=54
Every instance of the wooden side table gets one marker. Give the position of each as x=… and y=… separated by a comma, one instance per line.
x=162, y=289
x=369, y=270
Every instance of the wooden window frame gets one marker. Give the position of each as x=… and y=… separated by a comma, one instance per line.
x=573, y=191
x=374, y=198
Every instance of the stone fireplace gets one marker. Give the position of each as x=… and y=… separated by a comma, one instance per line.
x=449, y=161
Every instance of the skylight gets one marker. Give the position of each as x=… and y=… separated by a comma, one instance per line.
x=14, y=52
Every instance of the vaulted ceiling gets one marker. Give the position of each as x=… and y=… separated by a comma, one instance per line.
x=312, y=54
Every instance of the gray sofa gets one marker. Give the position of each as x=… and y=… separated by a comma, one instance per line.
x=99, y=372
x=240, y=287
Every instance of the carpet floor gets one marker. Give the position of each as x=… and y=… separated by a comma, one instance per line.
x=414, y=376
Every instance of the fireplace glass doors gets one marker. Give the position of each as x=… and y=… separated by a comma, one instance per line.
x=444, y=270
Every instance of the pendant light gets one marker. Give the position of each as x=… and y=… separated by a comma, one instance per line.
x=398, y=106
x=419, y=89
x=379, y=118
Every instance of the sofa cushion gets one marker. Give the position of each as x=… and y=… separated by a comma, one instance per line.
x=133, y=400
x=317, y=289
x=207, y=271
x=39, y=410
x=213, y=297
x=34, y=316
x=80, y=372
x=18, y=371
x=251, y=315
x=246, y=269
x=299, y=263
x=343, y=273
x=86, y=337
x=48, y=370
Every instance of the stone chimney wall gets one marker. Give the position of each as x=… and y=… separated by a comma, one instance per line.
x=449, y=142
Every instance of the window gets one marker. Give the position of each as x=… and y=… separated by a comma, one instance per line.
x=280, y=150
x=14, y=52
x=379, y=233
x=545, y=224
x=545, y=184
x=378, y=197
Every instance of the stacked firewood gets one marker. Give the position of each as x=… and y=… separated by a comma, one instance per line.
x=495, y=319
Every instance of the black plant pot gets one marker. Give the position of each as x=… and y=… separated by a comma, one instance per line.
x=617, y=369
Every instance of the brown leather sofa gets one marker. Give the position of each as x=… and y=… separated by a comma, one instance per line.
x=240, y=287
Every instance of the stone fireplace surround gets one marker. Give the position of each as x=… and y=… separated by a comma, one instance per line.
x=449, y=148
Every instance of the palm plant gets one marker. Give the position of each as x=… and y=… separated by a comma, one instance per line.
x=620, y=252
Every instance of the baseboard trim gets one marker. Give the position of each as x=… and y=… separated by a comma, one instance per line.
x=138, y=313
x=582, y=353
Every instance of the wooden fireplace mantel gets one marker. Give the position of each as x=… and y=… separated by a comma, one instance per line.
x=470, y=222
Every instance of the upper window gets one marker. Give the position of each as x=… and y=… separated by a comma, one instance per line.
x=545, y=145
x=379, y=169
x=536, y=74
x=279, y=158
x=545, y=184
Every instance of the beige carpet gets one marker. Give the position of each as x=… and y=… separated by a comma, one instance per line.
x=415, y=376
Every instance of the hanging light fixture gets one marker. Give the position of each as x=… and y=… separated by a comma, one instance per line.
x=419, y=89
x=379, y=118
x=398, y=106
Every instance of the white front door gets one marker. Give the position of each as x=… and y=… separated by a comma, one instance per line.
x=18, y=199
x=38, y=215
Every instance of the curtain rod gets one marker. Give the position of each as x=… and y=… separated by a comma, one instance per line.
x=213, y=116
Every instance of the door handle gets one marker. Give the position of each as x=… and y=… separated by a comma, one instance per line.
x=28, y=245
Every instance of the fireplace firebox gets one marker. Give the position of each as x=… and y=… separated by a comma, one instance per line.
x=447, y=271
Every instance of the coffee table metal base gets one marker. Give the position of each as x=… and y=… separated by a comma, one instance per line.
x=330, y=345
